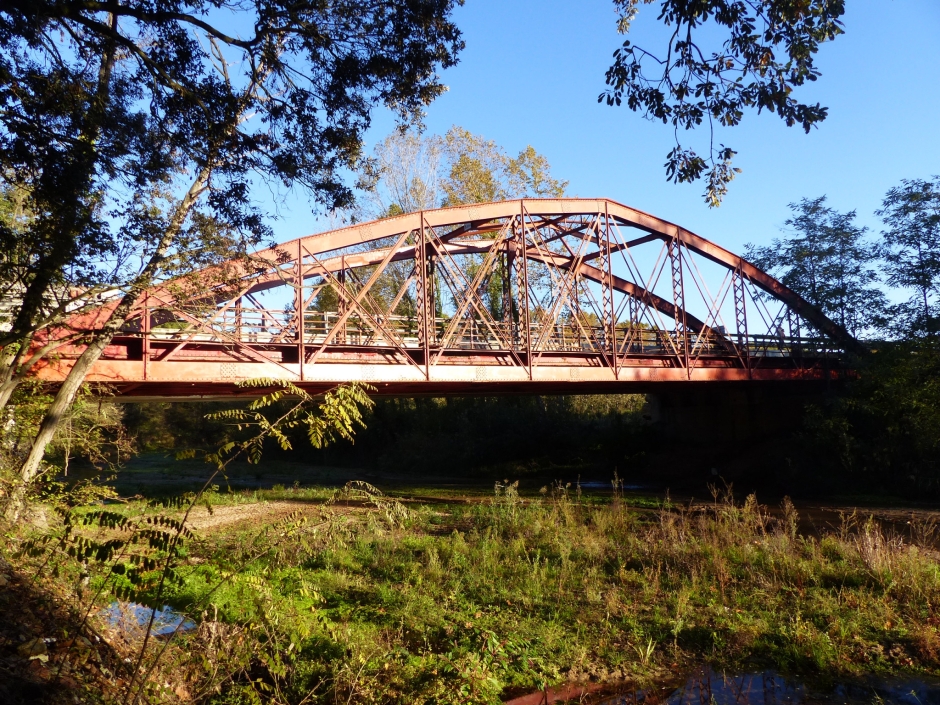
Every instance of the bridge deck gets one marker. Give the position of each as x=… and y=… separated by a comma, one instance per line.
x=162, y=366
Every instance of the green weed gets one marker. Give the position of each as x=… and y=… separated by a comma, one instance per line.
x=461, y=603
x=358, y=598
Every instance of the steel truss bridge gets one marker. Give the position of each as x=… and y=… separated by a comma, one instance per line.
x=533, y=295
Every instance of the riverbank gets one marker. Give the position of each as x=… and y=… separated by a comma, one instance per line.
x=447, y=598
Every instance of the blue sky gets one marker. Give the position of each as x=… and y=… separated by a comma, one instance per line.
x=532, y=71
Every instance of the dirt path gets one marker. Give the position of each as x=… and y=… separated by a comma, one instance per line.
x=813, y=518
x=200, y=519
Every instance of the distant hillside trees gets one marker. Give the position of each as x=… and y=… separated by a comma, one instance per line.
x=883, y=432
x=911, y=254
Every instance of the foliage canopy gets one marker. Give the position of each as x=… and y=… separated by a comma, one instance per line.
x=828, y=261
x=765, y=49
x=103, y=102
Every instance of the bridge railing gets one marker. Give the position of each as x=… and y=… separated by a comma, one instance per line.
x=267, y=327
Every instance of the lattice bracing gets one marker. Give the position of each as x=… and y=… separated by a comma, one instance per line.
x=553, y=294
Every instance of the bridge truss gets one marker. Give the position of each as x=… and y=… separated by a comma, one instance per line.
x=525, y=295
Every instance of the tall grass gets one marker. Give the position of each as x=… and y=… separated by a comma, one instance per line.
x=463, y=604
x=440, y=603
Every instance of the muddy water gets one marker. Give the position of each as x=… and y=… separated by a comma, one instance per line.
x=707, y=687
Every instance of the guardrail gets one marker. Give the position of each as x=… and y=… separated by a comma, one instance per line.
x=268, y=327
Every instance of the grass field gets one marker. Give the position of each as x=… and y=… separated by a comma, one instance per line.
x=318, y=595
x=470, y=598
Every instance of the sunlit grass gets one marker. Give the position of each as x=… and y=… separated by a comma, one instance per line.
x=516, y=592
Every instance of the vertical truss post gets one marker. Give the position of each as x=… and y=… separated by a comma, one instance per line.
x=678, y=300
x=577, y=310
x=145, y=331
x=740, y=317
x=610, y=324
x=432, y=298
x=633, y=315
x=793, y=323
x=507, y=292
x=521, y=250
x=299, y=310
x=423, y=297
x=341, y=300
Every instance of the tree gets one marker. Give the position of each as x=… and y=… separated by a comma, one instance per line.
x=158, y=115
x=481, y=171
x=102, y=101
x=911, y=252
x=722, y=57
x=828, y=262
x=58, y=93
x=402, y=176
x=886, y=428
x=409, y=172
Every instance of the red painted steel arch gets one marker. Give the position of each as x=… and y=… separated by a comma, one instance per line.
x=534, y=339
x=456, y=216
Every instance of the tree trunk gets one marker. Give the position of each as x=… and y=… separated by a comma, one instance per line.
x=50, y=422
x=76, y=377
x=8, y=368
x=49, y=267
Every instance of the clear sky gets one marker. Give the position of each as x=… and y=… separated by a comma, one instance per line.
x=532, y=71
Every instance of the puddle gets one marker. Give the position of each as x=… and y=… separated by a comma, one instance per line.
x=131, y=619
x=707, y=687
